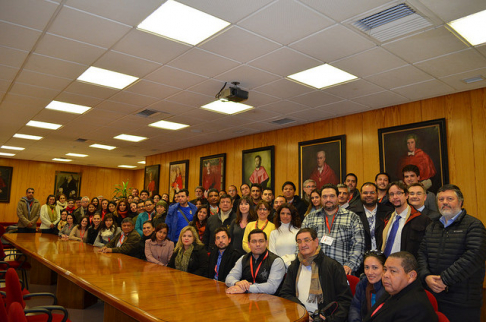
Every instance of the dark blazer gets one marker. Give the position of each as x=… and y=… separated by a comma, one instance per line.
x=198, y=263
x=230, y=256
x=410, y=304
x=130, y=247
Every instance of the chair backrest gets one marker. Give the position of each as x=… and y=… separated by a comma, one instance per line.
x=2, y=253
x=353, y=281
x=16, y=313
x=14, y=291
x=432, y=300
x=442, y=317
x=3, y=310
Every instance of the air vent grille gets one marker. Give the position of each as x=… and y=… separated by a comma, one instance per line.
x=146, y=113
x=384, y=17
x=283, y=121
x=81, y=140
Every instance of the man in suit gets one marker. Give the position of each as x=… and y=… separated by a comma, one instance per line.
x=405, y=299
x=417, y=196
x=411, y=175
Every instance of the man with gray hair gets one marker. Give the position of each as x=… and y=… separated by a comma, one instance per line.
x=451, y=258
x=79, y=213
x=309, y=185
x=323, y=173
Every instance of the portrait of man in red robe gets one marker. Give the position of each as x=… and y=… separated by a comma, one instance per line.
x=418, y=158
x=260, y=174
x=322, y=173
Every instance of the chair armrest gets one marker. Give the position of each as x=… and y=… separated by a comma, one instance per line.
x=39, y=310
x=27, y=296
x=55, y=308
x=6, y=264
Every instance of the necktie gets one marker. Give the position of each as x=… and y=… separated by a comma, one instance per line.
x=391, y=237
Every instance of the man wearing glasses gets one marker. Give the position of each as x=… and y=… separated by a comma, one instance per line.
x=417, y=196
x=405, y=227
x=315, y=280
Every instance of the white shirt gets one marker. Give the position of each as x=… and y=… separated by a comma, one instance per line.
x=304, y=286
x=372, y=214
x=397, y=243
x=282, y=243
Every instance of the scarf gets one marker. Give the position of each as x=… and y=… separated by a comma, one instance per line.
x=182, y=258
x=315, y=290
x=51, y=209
x=62, y=205
x=70, y=210
x=200, y=229
x=123, y=214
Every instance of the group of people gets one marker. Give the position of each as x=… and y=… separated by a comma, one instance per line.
x=397, y=237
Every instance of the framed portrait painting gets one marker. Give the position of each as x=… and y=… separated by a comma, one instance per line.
x=5, y=183
x=322, y=160
x=178, y=177
x=259, y=166
x=421, y=144
x=213, y=171
x=151, y=179
x=68, y=183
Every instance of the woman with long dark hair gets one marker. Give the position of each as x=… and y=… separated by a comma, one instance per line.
x=159, y=248
x=282, y=239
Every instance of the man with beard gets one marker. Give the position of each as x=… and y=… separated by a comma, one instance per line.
x=213, y=200
x=340, y=231
x=451, y=258
x=222, y=258
x=256, y=194
x=417, y=196
x=351, y=181
x=382, y=180
x=223, y=218
x=405, y=227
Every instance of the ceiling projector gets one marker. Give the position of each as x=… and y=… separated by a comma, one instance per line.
x=233, y=94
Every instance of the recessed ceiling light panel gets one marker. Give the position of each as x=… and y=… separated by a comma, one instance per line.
x=27, y=137
x=182, y=23
x=131, y=138
x=127, y=166
x=7, y=154
x=168, y=125
x=108, y=78
x=227, y=107
x=102, y=146
x=12, y=147
x=62, y=160
x=76, y=155
x=472, y=27
x=322, y=76
x=141, y=162
x=67, y=107
x=44, y=125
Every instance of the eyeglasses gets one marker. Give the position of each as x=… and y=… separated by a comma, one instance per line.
x=262, y=209
x=305, y=240
x=398, y=194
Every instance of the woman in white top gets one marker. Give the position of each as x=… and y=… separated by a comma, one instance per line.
x=49, y=216
x=107, y=231
x=282, y=239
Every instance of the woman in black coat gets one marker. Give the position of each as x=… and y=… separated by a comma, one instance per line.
x=190, y=254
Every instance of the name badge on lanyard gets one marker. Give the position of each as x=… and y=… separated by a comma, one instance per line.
x=327, y=240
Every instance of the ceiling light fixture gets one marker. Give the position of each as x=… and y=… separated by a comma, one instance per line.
x=76, y=155
x=471, y=27
x=27, y=137
x=108, y=78
x=102, y=146
x=67, y=107
x=131, y=138
x=62, y=159
x=322, y=76
x=182, y=23
x=227, y=107
x=44, y=125
x=12, y=148
x=7, y=154
x=127, y=166
x=141, y=162
x=168, y=125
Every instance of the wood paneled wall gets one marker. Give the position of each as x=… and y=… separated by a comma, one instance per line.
x=41, y=175
x=465, y=115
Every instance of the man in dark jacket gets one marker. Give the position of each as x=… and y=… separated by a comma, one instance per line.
x=223, y=218
x=315, y=280
x=417, y=195
x=451, y=258
x=222, y=258
x=405, y=299
x=127, y=242
x=288, y=191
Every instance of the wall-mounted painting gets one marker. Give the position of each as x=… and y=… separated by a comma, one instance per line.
x=322, y=160
x=151, y=179
x=259, y=166
x=5, y=183
x=213, y=171
x=421, y=144
x=178, y=177
x=68, y=183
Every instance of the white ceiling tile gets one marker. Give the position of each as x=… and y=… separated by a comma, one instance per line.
x=30, y=13
x=144, y=45
x=78, y=99
x=85, y=27
x=285, y=107
x=453, y=63
x=56, y=116
x=44, y=80
x=249, y=77
x=285, y=62
x=56, y=67
x=209, y=87
x=353, y=89
x=87, y=89
x=118, y=107
x=152, y=89
x=284, y=89
x=126, y=64
x=176, y=77
x=425, y=45
x=382, y=99
x=18, y=37
x=99, y=117
x=33, y=103
x=130, y=12
x=370, y=62
x=311, y=115
x=343, y=108
x=12, y=57
x=131, y=122
x=258, y=127
x=399, y=77
x=68, y=49
x=134, y=99
x=4, y=85
x=204, y=115
x=316, y=98
x=257, y=99
x=240, y=45
x=203, y=63
x=170, y=107
x=190, y=98
x=457, y=82
x=258, y=114
x=424, y=90
x=333, y=43
x=285, y=21
x=34, y=91
x=344, y=9
x=8, y=73
x=482, y=49
x=451, y=10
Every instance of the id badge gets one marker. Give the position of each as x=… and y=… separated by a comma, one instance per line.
x=327, y=240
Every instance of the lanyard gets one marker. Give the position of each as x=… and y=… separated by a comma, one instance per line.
x=122, y=238
x=82, y=234
x=263, y=228
x=258, y=268
x=377, y=309
x=332, y=222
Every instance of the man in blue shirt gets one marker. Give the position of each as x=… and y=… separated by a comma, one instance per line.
x=180, y=215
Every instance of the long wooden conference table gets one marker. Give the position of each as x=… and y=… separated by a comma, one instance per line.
x=136, y=290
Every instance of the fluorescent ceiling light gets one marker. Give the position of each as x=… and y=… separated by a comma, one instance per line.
x=127, y=166
x=131, y=138
x=227, y=107
x=44, y=125
x=76, y=155
x=62, y=160
x=471, y=27
x=182, y=23
x=67, y=107
x=141, y=162
x=103, y=77
x=26, y=136
x=322, y=76
x=7, y=154
x=12, y=148
x=168, y=125
x=101, y=146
